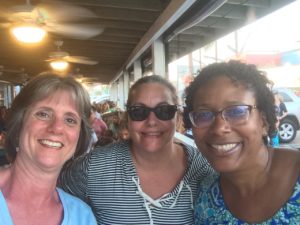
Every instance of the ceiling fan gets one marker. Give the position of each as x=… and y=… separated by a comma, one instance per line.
x=64, y=56
x=57, y=17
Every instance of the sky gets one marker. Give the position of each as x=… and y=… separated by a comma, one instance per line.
x=274, y=33
x=278, y=31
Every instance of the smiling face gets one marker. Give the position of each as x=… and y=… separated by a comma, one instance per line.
x=228, y=147
x=152, y=134
x=50, y=132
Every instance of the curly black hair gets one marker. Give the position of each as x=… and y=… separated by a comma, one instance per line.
x=240, y=73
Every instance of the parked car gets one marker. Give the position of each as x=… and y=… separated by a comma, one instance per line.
x=290, y=124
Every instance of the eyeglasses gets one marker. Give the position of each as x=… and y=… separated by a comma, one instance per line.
x=162, y=112
x=234, y=115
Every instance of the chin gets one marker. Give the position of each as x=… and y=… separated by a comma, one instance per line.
x=224, y=167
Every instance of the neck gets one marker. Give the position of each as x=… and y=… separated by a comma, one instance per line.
x=155, y=160
x=252, y=178
x=26, y=184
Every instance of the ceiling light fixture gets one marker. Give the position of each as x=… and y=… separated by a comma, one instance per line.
x=28, y=33
x=59, y=65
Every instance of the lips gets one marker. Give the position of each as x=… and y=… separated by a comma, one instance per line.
x=50, y=144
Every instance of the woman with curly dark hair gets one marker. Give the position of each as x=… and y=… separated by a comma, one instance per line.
x=231, y=108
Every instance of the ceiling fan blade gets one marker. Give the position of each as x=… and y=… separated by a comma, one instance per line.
x=58, y=11
x=76, y=31
x=80, y=59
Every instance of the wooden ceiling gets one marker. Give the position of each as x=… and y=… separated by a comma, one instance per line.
x=125, y=24
x=124, y=21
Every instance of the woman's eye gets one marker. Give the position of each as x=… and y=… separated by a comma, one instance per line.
x=71, y=121
x=43, y=115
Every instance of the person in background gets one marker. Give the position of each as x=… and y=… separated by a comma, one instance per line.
x=187, y=79
x=280, y=112
x=231, y=107
x=282, y=106
x=98, y=125
x=105, y=107
x=114, y=123
x=3, y=112
x=107, y=138
x=148, y=179
x=96, y=110
x=46, y=126
x=123, y=133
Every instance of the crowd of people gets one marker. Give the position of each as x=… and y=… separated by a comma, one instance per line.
x=108, y=124
x=135, y=171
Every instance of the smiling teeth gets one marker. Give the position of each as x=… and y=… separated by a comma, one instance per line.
x=153, y=134
x=225, y=147
x=51, y=143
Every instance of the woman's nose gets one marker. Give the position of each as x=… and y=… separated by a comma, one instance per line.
x=56, y=125
x=151, y=119
x=220, y=125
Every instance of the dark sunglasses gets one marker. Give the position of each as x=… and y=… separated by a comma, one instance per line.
x=162, y=112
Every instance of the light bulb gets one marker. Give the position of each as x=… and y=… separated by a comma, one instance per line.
x=59, y=65
x=28, y=33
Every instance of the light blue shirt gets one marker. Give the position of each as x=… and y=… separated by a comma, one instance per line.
x=76, y=212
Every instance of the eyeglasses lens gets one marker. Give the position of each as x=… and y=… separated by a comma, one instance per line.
x=201, y=118
x=138, y=113
x=235, y=115
x=163, y=112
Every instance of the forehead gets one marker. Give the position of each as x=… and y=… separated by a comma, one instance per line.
x=223, y=89
x=151, y=93
x=63, y=97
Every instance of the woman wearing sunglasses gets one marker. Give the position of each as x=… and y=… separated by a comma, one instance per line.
x=149, y=179
x=231, y=108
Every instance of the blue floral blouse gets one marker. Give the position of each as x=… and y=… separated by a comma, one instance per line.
x=211, y=209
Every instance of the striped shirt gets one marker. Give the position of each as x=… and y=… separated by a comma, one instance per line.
x=107, y=180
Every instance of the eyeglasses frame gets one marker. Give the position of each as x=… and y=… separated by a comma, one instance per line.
x=216, y=113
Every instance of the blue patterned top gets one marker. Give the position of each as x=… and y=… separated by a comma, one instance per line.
x=211, y=209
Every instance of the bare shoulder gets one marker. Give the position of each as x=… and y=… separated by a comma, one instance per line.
x=288, y=159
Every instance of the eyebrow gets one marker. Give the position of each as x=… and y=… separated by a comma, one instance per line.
x=158, y=104
x=70, y=113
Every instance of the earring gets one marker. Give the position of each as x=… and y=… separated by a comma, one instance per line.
x=17, y=149
x=266, y=139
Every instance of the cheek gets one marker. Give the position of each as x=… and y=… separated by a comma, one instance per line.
x=72, y=134
x=76, y=134
x=134, y=127
x=198, y=134
x=31, y=127
x=173, y=124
